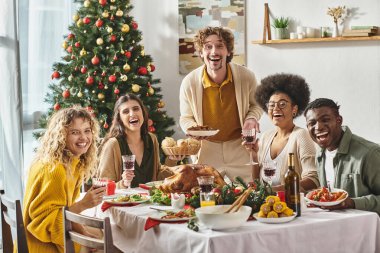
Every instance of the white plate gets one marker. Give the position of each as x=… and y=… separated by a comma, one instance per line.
x=202, y=133
x=329, y=203
x=112, y=201
x=275, y=220
x=154, y=183
x=158, y=217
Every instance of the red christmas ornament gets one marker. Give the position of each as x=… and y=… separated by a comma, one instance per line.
x=57, y=106
x=127, y=54
x=103, y=73
x=69, y=49
x=105, y=125
x=55, y=74
x=112, y=78
x=99, y=23
x=113, y=38
x=90, y=80
x=112, y=18
x=116, y=91
x=95, y=60
x=115, y=58
x=76, y=68
x=73, y=57
x=102, y=2
x=134, y=25
x=86, y=20
x=95, y=73
x=83, y=70
x=152, y=67
x=100, y=86
x=70, y=36
x=77, y=44
x=151, y=129
x=142, y=71
x=66, y=94
x=150, y=122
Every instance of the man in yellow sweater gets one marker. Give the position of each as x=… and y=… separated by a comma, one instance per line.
x=221, y=95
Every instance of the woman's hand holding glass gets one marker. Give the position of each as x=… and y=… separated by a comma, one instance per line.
x=250, y=143
x=128, y=169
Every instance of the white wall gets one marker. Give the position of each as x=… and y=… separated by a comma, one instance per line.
x=348, y=72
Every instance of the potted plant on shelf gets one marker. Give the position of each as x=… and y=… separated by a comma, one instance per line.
x=280, y=26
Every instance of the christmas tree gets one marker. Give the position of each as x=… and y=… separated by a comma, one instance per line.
x=103, y=60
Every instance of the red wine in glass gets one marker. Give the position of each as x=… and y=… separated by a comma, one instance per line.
x=269, y=172
x=206, y=187
x=248, y=138
x=128, y=165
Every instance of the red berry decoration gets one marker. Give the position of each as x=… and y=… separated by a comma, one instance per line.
x=77, y=44
x=134, y=25
x=142, y=71
x=69, y=49
x=100, y=86
x=105, y=125
x=70, y=36
x=152, y=67
x=113, y=38
x=57, y=106
x=55, y=74
x=102, y=2
x=99, y=23
x=66, y=94
x=112, y=78
x=83, y=70
x=151, y=129
x=116, y=91
x=90, y=80
x=95, y=60
x=127, y=54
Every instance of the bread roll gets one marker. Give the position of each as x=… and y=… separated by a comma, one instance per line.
x=168, y=142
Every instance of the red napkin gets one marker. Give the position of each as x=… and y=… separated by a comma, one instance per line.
x=145, y=187
x=150, y=223
x=107, y=205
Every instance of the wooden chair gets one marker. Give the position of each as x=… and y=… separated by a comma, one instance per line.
x=71, y=236
x=11, y=217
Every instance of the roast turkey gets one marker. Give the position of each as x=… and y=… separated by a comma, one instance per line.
x=185, y=178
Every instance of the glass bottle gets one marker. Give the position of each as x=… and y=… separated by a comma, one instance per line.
x=292, y=186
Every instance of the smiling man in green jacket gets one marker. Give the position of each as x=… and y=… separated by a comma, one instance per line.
x=344, y=160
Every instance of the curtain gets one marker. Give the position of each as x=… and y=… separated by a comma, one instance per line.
x=11, y=151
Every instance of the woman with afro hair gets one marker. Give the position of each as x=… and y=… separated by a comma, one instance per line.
x=284, y=97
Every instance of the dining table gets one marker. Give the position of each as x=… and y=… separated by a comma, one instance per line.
x=316, y=230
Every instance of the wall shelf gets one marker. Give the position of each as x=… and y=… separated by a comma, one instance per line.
x=308, y=40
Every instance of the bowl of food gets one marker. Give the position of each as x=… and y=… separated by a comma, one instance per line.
x=201, y=131
x=216, y=218
x=323, y=197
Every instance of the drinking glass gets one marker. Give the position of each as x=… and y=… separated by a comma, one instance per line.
x=97, y=183
x=128, y=164
x=249, y=136
x=206, y=195
x=269, y=169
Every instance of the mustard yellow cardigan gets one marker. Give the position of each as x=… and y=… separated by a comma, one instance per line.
x=49, y=188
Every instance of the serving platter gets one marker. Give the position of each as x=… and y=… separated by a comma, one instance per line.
x=158, y=217
x=325, y=203
x=274, y=220
x=121, y=202
x=202, y=133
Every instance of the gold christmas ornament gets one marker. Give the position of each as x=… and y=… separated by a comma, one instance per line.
x=80, y=94
x=135, y=88
x=101, y=96
x=106, y=87
x=99, y=41
x=82, y=52
x=125, y=28
x=105, y=14
x=64, y=44
x=122, y=51
x=112, y=1
x=148, y=68
x=151, y=91
x=119, y=13
x=75, y=17
x=112, y=7
x=142, y=53
x=79, y=23
x=93, y=92
x=124, y=78
x=161, y=104
x=86, y=3
x=126, y=67
x=109, y=29
x=70, y=78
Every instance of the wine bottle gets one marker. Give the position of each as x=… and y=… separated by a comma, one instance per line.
x=292, y=187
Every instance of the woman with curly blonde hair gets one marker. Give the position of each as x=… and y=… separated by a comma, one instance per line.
x=66, y=157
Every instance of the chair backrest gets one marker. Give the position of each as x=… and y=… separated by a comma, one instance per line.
x=11, y=217
x=71, y=236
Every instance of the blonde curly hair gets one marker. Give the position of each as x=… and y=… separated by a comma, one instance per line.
x=53, y=142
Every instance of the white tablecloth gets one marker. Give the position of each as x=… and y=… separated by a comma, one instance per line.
x=316, y=231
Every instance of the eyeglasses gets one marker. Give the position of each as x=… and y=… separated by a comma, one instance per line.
x=281, y=104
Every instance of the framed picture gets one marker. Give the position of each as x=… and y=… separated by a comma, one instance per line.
x=197, y=14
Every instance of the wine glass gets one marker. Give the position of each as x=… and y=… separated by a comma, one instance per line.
x=128, y=164
x=249, y=136
x=269, y=169
x=97, y=183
